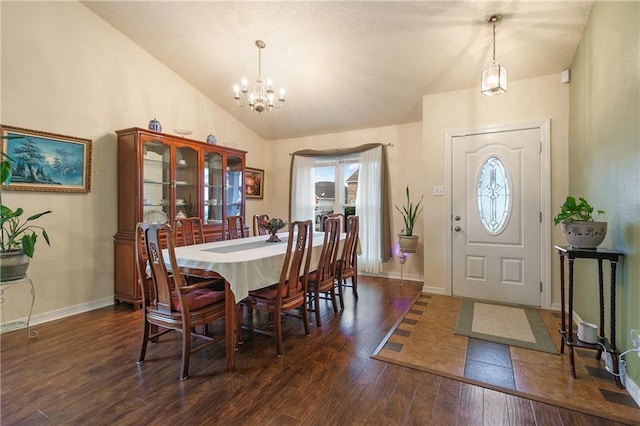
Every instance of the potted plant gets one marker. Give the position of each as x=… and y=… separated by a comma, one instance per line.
x=18, y=235
x=410, y=214
x=579, y=225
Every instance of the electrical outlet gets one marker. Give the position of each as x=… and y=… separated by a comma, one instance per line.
x=608, y=362
x=635, y=339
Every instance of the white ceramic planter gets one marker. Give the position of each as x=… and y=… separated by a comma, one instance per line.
x=408, y=244
x=584, y=234
x=13, y=265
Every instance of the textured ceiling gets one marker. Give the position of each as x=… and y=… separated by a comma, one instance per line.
x=347, y=65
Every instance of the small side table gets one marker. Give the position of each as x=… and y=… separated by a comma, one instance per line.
x=570, y=338
x=5, y=285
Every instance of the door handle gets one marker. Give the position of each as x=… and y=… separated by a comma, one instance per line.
x=457, y=229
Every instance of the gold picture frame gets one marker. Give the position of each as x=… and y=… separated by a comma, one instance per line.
x=42, y=161
x=254, y=183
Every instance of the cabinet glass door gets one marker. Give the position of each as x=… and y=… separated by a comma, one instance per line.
x=234, y=187
x=213, y=187
x=156, y=178
x=186, y=183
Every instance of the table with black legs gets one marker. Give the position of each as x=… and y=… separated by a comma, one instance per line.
x=570, y=338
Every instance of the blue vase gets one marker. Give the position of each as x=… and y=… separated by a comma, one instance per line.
x=155, y=125
x=212, y=139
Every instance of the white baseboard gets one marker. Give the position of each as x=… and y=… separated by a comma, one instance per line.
x=396, y=276
x=58, y=314
x=433, y=290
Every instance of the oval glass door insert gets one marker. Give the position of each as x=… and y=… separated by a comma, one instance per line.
x=494, y=195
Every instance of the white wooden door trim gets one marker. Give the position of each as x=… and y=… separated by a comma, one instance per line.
x=545, y=199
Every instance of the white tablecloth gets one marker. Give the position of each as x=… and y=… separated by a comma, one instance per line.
x=251, y=267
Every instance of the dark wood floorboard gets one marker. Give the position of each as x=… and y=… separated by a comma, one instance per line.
x=82, y=370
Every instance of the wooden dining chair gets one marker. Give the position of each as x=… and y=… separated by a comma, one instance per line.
x=235, y=227
x=168, y=302
x=341, y=218
x=188, y=231
x=347, y=265
x=289, y=294
x=321, y=281
x=257, y=229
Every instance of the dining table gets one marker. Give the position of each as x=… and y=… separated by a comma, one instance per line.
x=246, y=264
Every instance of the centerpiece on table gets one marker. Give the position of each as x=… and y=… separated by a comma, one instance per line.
x=273, y=226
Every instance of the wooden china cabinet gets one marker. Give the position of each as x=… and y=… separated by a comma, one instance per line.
x=162, y=177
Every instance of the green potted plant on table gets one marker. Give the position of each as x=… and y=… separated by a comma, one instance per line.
x=410, y=214
x=18, y=235
x=579, y=225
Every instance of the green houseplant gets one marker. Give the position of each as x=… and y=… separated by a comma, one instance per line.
x=18, y=234
x=410, y=214
x=578, y=223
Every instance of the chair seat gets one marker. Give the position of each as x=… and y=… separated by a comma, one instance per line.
x=197, y=299
x=271, y=292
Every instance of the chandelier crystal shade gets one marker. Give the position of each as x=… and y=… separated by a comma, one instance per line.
x=261, y=97
x=494, y=77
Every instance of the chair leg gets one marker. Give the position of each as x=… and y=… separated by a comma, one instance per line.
x=305, y=318
x=145, y=339
x=277, y=328
x=239, y=318
x=339, y=286
x=334, y=303
x=354, y=284
x=186, y=353
x=316, y=296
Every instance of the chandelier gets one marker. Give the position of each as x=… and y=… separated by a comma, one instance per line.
x=494, y=77
x=261, y=97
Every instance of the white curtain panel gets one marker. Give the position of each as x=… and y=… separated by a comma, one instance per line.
x=368, y=208
x=302, y=189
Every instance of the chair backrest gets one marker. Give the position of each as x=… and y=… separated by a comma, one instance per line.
x=295, y=274
x=157, y=290
x=340, y=216
x=329, y=254
x=235, y=227
x=257, y=229
x=343, y=222
x=188, y=231
x=347, y=258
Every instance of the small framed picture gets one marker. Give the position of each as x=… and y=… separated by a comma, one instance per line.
x=43, y=161
x=254, y=183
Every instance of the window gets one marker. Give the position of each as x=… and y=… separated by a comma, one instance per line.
x=336, y=187
x=494, y=195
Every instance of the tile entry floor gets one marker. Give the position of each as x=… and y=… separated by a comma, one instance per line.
x=529, y=373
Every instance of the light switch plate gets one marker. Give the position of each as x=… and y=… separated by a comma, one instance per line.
x=438, y=190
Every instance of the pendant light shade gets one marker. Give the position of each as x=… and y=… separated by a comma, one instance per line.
x=494, y=77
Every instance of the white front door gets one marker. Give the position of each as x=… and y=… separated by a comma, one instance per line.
x=496, y=215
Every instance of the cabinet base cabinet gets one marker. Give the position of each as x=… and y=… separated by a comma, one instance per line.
x=162, y=177
x=126, y=288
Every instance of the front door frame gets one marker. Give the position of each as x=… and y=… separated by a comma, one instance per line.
x=545, y=199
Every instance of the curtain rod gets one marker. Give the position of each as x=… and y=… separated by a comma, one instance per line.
x=340, y=149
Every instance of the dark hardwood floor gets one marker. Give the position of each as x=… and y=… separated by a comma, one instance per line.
x=82, y=370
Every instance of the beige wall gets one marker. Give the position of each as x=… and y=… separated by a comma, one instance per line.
x=604, y=155
x=66, y=71
x=405, y=168
x=530, y=100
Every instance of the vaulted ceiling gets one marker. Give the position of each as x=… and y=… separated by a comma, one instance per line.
x=347, y=65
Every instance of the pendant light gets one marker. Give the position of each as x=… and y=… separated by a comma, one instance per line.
x=494, y=77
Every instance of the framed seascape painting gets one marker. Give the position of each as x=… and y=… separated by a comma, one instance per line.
x=47, y=162
x=253, y=183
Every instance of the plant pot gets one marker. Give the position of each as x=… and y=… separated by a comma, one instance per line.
x=584, y=234
x=13, y=265
x=408, y=243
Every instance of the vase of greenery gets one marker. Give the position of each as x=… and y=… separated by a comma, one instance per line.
x=410, y=213
x=578, y=222
x=19, y=234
